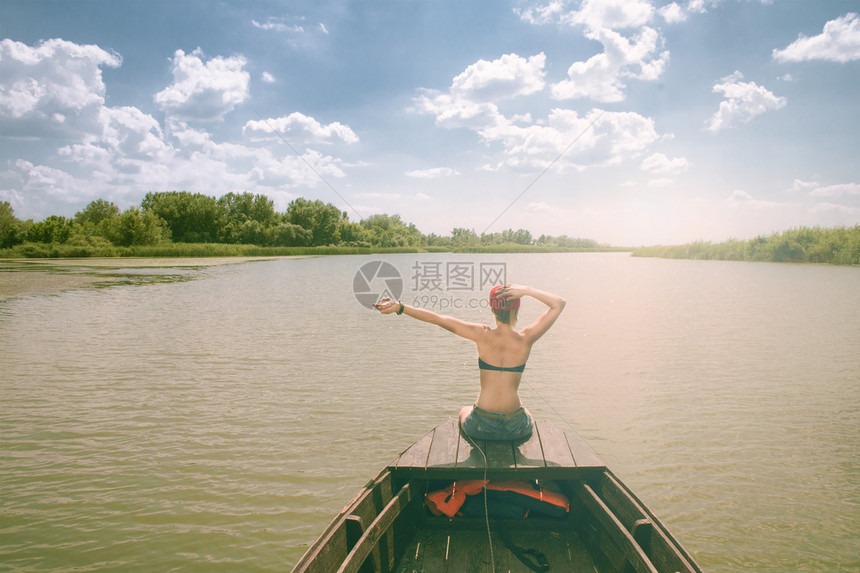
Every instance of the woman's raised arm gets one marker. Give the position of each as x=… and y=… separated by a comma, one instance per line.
x=543, y=323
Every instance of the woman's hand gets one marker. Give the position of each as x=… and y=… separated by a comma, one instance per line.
x=511, y=291
x=387, y=306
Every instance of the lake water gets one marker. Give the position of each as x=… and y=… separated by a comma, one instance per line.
x=217, y=418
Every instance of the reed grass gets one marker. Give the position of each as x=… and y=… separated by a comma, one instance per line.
x=202, y=250
x=191, y=250
x=835, y=246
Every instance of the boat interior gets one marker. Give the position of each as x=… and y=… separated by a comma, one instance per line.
x=390, y=527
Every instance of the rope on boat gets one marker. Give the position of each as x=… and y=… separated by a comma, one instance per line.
x=486, y=509
x=560, y=417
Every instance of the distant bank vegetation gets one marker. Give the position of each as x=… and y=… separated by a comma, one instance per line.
x=835, y=246
x=183, y=224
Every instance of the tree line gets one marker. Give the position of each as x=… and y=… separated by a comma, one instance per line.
x=245, y=219
x=836, y=246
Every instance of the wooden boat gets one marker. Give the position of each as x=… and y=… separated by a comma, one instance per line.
x=389, y=528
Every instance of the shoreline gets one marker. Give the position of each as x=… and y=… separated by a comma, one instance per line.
x=29, y=277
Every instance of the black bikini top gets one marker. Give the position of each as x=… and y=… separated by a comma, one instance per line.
x=484, y=366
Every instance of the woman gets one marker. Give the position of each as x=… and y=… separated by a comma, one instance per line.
x=503, y=351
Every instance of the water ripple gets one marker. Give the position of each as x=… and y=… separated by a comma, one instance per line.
x=219, y=423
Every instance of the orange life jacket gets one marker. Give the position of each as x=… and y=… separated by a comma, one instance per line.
x=528, y=489
x=448, y=501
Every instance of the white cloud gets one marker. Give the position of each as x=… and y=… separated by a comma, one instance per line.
x=14, y=197
x=298, y=126
x=634, y=55
x=659, y=163
x=540, y=207
x=120, y=153
x=527, y=142
x=602, y=77
x=45, y=182
x=637, y=55
x=804, y=186
x=433, y=173
x=841, y=190
x=742, y=199
x=469, y=101
x=204, y=91
x=134, y=156
x=277, y=25
x=267, y=78
x=673, y=13
x=594, y=14
x=613, y=137
x=700, y=6
x=838, y=42
x=507, y=77
x=296, y=32
x=131, y=143
x=544, y=14
x=55, y=88
x=613, y=14
x=452, y=112
x=743, y=101
x=833, y=208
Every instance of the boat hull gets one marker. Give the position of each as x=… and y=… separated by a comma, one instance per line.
x=388, y=527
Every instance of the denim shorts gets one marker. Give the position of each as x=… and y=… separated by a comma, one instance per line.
x=483, y=424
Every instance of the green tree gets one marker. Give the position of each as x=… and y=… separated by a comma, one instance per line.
x=464, y=238
x=249, y=233
x=288, y=235
x=787, y=249
x=565, y=242
x=354, y=234
x=96, y=212
x=434, y=240
x=191, y=218
x=848, y=252
x=241, y=212
x=391, y=231
x=323, y=220
x=11, y=229
x=135, y=227
x=760, y=249
x=95, y=220
x=54, y=229
x=519, y=237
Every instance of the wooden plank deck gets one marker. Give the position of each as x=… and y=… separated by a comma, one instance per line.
x=444, y=452
x=453, y=549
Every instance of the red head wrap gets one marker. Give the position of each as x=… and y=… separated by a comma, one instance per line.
x=499, y=303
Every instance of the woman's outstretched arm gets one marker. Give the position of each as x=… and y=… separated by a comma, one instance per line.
x=469, y=330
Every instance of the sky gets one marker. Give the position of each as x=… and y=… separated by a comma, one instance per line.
x=630, y=122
